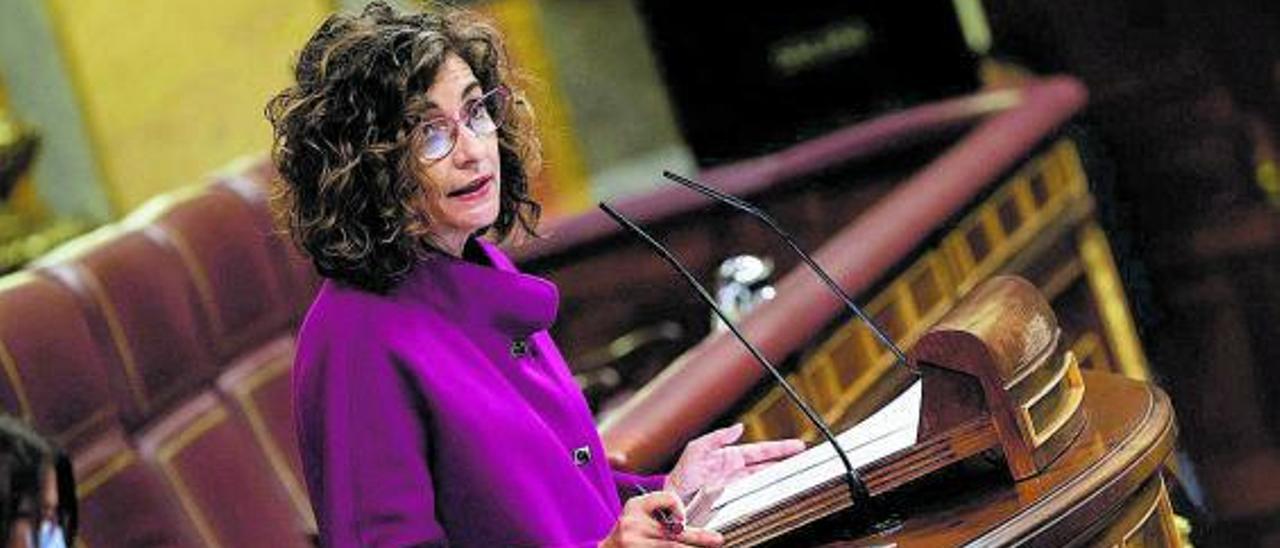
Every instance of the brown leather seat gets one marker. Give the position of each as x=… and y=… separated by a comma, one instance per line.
x=158, y=350
x=222, y=480
x=217, y=236
x=123, y=500
x=54, y=376
x=251, y=301
x=141, y=304
x=258, y=384
x=299, y=277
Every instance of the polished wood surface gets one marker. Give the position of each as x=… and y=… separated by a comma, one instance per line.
x=1000, y=355
x=994, y=379
x=1083, y=497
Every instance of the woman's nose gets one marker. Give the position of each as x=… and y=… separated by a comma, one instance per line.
x=470, y=146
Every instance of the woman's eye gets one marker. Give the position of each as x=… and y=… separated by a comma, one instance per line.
x=477, y=110
x=437, y=139
x=436, y=130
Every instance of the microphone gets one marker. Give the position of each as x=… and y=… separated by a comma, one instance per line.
x=858, y=492
x=835, y=288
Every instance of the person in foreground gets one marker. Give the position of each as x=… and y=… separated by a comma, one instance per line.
x=37, y=490
x=432, y=406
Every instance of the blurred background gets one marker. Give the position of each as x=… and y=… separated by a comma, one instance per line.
x=105, y=105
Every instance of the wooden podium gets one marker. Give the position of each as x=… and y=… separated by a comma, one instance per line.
x=1016, y=446
x=1107, y=489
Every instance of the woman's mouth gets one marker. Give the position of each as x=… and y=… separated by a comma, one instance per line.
x=475, y=188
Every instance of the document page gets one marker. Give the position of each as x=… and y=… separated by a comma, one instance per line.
x=892, y=428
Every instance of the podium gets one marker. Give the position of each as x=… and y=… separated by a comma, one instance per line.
x=1106, y=489
x=1015, y=445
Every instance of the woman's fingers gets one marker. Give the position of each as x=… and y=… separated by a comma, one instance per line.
x=716, y=439
x=675, y=530
x=657, y=519
x=713, y=459
x=639, y=524
x=769, y=451
x=700, y=537
x=659, y=502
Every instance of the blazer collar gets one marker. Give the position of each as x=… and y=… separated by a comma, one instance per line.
x=493, y=294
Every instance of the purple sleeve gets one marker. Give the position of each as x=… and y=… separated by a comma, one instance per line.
x=627, y=483
x=375, y=481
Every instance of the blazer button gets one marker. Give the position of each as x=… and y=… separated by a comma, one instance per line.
x=582, y=455
x=519, y=348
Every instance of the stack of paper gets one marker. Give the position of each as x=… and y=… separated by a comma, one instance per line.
x=788, y=482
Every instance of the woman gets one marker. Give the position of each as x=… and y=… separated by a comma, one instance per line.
x=37, y=491
x=432, y=406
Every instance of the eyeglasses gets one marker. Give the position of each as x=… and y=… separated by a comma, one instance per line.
x=481, y=115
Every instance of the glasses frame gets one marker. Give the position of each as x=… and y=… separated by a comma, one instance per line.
x=502, y=93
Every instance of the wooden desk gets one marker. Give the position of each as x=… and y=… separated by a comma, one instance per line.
x=1107, y=488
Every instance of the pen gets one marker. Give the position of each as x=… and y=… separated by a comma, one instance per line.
x=664, y=516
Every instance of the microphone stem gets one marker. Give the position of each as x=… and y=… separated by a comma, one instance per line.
x=822, y=274
x=756, y=212
x=857, y=489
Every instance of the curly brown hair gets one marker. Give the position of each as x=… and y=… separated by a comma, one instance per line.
x=350, y=193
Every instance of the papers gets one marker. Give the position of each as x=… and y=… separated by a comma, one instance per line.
x=892, y=428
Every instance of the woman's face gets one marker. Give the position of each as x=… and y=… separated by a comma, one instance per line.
x=462, y=188
x=26, y=530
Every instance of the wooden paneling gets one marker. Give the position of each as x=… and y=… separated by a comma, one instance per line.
x=1037, y=223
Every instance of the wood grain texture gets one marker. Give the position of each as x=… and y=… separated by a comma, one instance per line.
x=1129, y=436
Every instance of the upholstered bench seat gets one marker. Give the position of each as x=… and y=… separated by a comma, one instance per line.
x=158, y=350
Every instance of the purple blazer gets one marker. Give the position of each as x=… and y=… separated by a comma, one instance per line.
x=442, y=413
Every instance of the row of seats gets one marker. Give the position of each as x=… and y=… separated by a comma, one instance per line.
x=157, y=350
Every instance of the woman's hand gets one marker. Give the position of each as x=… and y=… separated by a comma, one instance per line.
x=640, y=525
x=711, y=461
